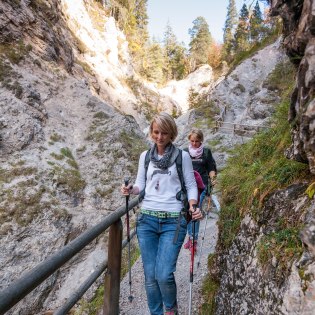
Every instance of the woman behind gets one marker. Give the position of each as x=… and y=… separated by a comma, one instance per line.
x=160, y=212
x=205, y=165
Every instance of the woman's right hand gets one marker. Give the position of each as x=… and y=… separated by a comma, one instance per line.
x=126, y=190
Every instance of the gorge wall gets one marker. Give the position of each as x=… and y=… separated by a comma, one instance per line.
x=246, y=286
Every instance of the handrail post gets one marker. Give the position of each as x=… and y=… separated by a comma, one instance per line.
x=112, y=276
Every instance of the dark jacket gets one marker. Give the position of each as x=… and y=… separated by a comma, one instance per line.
x=204, y=165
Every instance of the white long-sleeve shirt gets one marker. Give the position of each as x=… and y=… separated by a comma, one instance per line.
x=163, y=185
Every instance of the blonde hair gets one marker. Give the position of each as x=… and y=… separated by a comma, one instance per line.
x=196, y=132
x=166, y=123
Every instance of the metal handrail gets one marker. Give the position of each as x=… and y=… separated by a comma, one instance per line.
x=18, y=289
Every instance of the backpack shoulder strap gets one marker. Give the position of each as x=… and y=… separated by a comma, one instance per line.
x=205, y=152
x=146, y=163
x=179, y=167
x=146, y=166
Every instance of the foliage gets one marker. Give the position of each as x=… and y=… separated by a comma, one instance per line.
x=16, y=3
x=281, y=77
x=215, y=55
x=252, y=33
x=256, y=24
x=55, y=137
x=175, y=54
x=20, y=194
x=209, y=289
x=69, y=178
x=154, y=63
x=205, y=111
x=133, y=144
x=15, y=52
x=229, y=27
x=284, y=245
x=241, y=37
x=310, y=191
x=200, y=41
x=85, y=66
x=243, y=55
x=132, y=18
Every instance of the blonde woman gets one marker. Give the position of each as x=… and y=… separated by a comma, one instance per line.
x=205, y=165
x=160, y=212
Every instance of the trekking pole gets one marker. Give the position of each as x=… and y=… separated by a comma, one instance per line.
x=130, y=297
x=192, y=257
x=204, y=231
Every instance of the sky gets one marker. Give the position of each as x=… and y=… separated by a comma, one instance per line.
x=181, y=13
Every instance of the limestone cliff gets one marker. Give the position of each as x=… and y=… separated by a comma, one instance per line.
x=280, y=285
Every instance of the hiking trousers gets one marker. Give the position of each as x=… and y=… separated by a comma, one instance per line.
x=159, y=257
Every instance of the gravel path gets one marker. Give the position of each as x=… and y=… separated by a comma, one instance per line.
x=139, y=304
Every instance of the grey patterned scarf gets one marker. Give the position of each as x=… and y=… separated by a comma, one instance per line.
x=168, y=158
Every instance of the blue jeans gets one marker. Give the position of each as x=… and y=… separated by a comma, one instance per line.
x=159, y=257
x=197, y=223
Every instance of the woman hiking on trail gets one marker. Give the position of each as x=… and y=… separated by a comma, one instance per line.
x=205, y=165
x=158, y=220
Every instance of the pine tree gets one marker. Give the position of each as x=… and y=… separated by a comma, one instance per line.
x=200, y=42
x=241, y=37
x=229, y=28
x=256, y=24
x=170, y=43
x=175, y=55
x=153, y=63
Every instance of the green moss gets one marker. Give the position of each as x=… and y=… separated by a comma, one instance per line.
x=20, y=201
x=210, y=287
x=133, y=144
x=73, y=163
x=57, y=156
x=101, y=115
x=96, y=136
x=67, y=153
x=15, y=52
x=6, y=176
x=16, y=3
x=206, y=111
x=43, y=7
x=285, y=245
x=6, y=71
x=281, y=77
x=81, y=149
x=69, y=178
x=85, y=66
x=55, y=137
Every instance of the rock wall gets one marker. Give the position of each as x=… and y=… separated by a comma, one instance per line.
x=247, y=283
x=276, y=287
x=299, y=42
x=64, y=151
